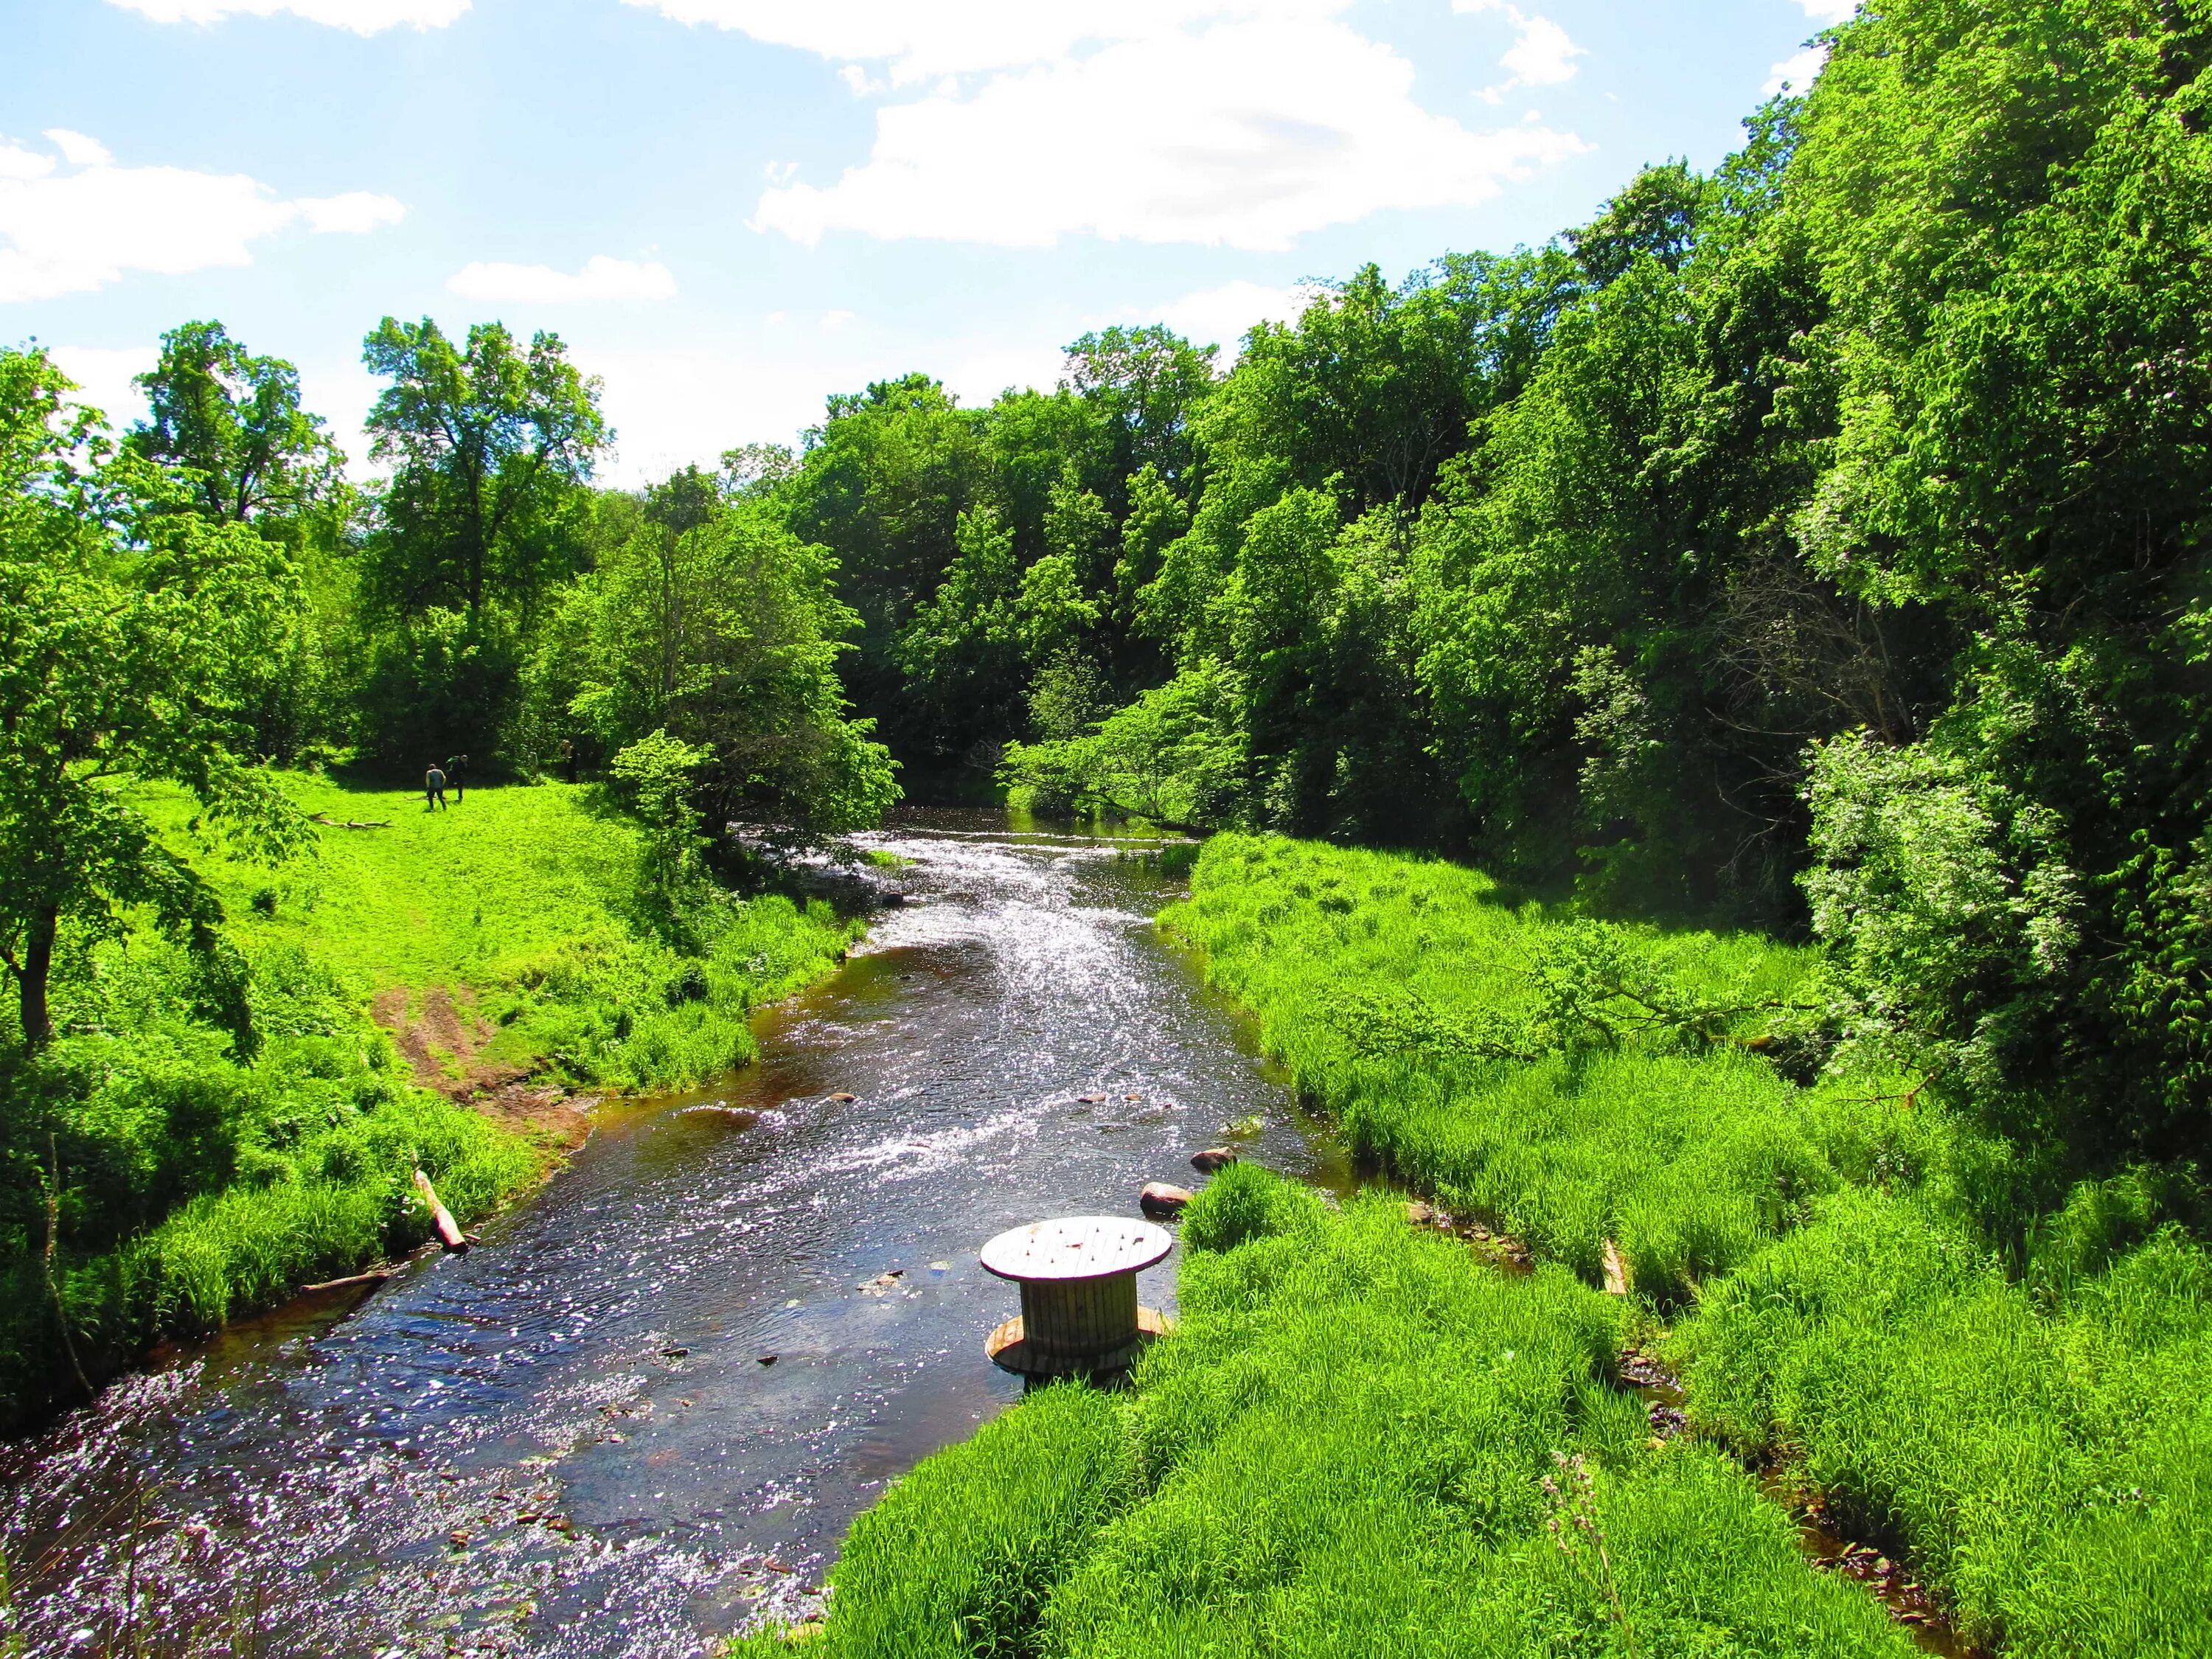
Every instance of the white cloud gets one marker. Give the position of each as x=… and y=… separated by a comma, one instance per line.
x=1542, y=54
x=1825, y=12
x=923, y=39
x=1795, y=74
x=362, y=16
x=354, y=213
x=833, y=320
x=66, y=232
x=1222, y=316
x=103, y=376
x=601, y=278
x=1248, y=131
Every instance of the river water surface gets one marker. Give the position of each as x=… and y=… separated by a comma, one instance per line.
x=648, y=1404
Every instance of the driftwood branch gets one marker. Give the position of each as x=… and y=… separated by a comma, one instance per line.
x=448, y=1228
x=373, y=1276
x=330, y=823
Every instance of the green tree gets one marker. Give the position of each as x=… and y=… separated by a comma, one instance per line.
x=716, y=625
x=488, y=442
x=123, y=620
x=230, y=424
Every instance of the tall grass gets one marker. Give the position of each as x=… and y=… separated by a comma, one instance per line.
x=1360, y=1441
x=527, y=896
x=2015, y=1399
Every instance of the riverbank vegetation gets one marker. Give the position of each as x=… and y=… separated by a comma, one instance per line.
x=253, y=982
x=190, y=1159
x=1355, y=1442
x=1986, y=1356
x=1788, y=589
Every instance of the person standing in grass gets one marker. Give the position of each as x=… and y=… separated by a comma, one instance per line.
x=434, y=788
x=457, y=769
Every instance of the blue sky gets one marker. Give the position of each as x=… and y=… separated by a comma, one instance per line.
x=729, y=208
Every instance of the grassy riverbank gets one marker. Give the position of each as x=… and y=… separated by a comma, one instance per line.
x=1358, y=1442
x=2010, y=1396
x=215, y=1131
x=1346, y=1446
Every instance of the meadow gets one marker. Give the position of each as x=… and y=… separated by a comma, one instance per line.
x=203, y=1137
x=1366, y=1436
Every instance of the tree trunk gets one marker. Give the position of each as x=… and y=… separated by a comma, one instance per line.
x=37, y=968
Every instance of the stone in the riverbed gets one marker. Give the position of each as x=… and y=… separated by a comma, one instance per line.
x=1091, y=1100
x=1160, y=1199
x=881, y=1283
x=768, y=1359
x=844, y=1099
x=1212, y=1158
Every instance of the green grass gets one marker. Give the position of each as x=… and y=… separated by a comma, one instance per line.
x=2036, y=1440
x=1385, y=983
x=1343, y=1449
x=198, y=1179
x=2049, y=1460
x=526, y=896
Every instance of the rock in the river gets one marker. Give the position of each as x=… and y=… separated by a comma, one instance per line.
x=844, y=1099
x=1212, y=1158
x=1159, y=1199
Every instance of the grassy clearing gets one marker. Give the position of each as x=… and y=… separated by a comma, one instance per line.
x=527, y=896
x=2026, y=1419
x=211, y=1140
x=1345, y=1448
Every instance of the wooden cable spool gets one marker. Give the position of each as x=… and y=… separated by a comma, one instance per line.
x=1078, y=1283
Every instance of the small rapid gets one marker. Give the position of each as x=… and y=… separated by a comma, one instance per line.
x=646, y=1408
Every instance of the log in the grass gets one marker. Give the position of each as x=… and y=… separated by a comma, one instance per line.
x=330, y=823
x=448, y=1228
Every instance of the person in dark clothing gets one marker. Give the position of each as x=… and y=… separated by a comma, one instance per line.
x=568, y=759
x=457, y=770
x=434, y=788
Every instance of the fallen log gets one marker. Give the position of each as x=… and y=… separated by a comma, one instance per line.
x=330, y=823
x=373, y=1276
x=448, y=1228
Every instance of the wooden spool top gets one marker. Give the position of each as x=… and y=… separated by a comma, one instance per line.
x=1076, y=1247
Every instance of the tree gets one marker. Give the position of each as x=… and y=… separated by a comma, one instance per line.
x=715, y=625
x=487, y=444
x=123, y=619
x=230, y=424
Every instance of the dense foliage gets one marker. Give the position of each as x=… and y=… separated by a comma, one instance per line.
x=196, y=1112
x=1815, y=542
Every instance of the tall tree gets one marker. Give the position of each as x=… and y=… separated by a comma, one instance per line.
x=123, y=620
x=488, y=442
x=232, y=424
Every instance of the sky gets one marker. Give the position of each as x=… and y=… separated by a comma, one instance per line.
x=731, y=209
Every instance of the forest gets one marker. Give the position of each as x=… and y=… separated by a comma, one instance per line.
x=1703, y=733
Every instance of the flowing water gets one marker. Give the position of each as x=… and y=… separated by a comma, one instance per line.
x=649, y=1403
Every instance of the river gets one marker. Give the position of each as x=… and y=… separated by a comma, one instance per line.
x=648, y=1406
